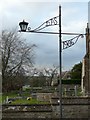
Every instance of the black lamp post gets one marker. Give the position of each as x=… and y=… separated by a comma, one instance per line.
x=66, y=44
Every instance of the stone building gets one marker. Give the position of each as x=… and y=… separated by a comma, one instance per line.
x=85, y=84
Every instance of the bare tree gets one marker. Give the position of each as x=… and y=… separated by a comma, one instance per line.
x=44, y=76
x=17, y=56
x=52, y=74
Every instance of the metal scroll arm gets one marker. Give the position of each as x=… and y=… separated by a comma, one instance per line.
x=51, y=22
x=71, y=42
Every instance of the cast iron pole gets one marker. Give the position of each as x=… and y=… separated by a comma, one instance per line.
x=60, y=63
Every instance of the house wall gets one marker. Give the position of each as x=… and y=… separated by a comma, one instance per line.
x=86, y=65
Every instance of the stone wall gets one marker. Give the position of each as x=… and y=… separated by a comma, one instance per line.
x=86, y=77
x=71, y=111
x=72, y=107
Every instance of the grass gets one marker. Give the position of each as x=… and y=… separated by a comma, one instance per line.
x=21, y=101
x=24, y=101
x=10, y=95
x=0, y=99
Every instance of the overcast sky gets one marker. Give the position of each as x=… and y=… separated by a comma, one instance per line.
x=74, y=17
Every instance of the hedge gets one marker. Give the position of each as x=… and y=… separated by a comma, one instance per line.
x=71, y=81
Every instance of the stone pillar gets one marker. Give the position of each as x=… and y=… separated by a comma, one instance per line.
x=89, y=70
x=89, y=81
x=83, y=75
x=89, y=45
x=86, y=62
x=0, y=81
x=88, y=52
x=89, y=62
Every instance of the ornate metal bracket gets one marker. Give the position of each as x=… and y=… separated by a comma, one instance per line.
x=51, y=22
x=71, y=42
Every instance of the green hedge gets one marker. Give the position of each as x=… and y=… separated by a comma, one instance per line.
x=71, y=81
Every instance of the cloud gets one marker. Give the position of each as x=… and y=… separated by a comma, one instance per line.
x=74, y=19
x=89, y=13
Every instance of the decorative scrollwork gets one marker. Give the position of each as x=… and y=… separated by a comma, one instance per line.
x=51, y=22
x=71, y=42
x=29, y=28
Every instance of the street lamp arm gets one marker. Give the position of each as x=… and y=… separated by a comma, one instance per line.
x=51, y=22
x=48, y=32
x=42, y=26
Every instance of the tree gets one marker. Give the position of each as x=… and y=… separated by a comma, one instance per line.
x=76, y=71
x=44, y=77
x=17, y=56
x=52, y=74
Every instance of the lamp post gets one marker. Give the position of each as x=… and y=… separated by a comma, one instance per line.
x=60, y=63
x=66, y=44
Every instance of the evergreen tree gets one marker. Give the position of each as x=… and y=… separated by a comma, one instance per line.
x=76, y=71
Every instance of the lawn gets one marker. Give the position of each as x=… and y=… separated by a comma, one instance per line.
x=10, y=95
x=21, y=101
x=25, y=101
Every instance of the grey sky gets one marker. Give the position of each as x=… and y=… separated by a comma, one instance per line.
x=74, y=19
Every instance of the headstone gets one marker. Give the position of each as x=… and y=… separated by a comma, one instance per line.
x=7, y=99
x=75, y=88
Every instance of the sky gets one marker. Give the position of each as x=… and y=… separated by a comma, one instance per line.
x=74, y=18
